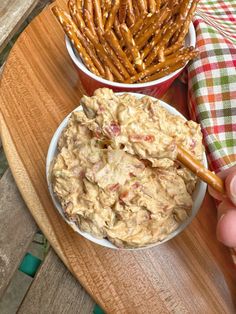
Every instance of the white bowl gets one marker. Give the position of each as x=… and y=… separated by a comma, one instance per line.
x=156, y=88
x=198, y=194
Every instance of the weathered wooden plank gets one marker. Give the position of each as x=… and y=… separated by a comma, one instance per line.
x=12, y=15
x=55, y=290
x=17, y=229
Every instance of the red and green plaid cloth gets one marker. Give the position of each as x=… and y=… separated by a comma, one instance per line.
x=212, y=81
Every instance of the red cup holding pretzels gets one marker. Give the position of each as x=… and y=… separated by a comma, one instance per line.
x=139, y=46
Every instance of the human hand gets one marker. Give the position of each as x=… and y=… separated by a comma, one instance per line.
x=226, y=227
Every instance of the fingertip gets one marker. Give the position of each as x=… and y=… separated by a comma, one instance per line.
x=226, y=229
x=230, y=184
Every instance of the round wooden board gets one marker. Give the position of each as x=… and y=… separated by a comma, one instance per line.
x=186, y=275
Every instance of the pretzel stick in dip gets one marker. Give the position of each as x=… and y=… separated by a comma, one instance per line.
x=196, y=167
x=115, y=45
x=103, y=55
x=161, y=65
x=112, y=15
x=112, y=55
x=130, y=13
x=71, y=30
x=130, y=44
x=98, y=14
x=76, y=13
x=123, y=11
x=152, y=6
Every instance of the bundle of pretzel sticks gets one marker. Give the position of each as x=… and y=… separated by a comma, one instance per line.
x=129, y=41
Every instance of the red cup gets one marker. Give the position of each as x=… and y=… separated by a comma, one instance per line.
x=155, y=88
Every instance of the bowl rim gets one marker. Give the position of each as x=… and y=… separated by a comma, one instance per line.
x=83, y=68
x=199, y=191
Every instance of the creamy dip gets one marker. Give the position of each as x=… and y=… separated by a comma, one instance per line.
x=116, y=173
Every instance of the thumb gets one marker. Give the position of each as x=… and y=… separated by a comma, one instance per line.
x=230, y=184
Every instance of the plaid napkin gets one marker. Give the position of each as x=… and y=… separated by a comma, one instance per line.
x=212, y=81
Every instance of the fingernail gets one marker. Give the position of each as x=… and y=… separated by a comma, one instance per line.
x=220, y=218
x=233, y=189
x=233, y=186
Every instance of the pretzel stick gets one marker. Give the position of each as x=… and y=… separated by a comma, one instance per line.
x=136, y=10
x=158, y=5
x=105, y=10
x=184, y=29
x=147, y=22
x=196, y=167
x=90, y=50
x=135, y=28
x=98, y=14
x=123, y=11
x=117, y=28
x=147, y=34
x=142, y=6
x=89, y=22
x=79, y=5
x=71, y=29
x=159, y=50
x=159, y=66
x=130, y=13
x=112, y=55
x=112, y=15
x=153, y=43
x=165, y=71
x=103, y=54
x=76, y=13
x=114, y=43
x=152, y=6
x=129, y=41
x=108, y=74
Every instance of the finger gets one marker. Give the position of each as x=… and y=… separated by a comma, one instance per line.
x=223, y=174
x=215, y=194
x=226, y=231
x=224, y=207
x=230, y=184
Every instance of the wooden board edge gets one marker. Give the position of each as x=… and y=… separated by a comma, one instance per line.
x=27, y=190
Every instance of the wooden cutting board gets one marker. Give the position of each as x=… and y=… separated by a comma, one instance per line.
x=192, y=273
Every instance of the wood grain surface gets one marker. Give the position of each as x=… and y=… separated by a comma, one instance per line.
x=192, y=273
x=17, y=229
x=54, y=290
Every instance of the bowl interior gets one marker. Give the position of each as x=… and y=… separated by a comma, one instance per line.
x=198, y=194
x=190, y=40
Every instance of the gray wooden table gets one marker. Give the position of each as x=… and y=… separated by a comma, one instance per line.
x=53, y=289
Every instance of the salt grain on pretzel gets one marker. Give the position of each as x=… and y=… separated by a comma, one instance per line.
x=114, y=43
x=130, y=44
x=70, y=30
x=112, y=15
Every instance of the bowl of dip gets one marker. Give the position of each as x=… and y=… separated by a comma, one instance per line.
x=120, y=193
